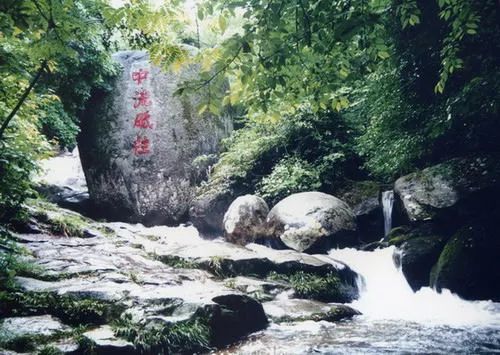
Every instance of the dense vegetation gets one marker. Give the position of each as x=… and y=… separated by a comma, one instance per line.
x=327, y=92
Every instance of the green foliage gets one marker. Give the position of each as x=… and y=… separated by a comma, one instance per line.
x=58, y=46
x=12, y=262
x=50, y=350
x=191, y=336
x=326, y=288
x=290, y=175
x=57, y=125
x=69, y=309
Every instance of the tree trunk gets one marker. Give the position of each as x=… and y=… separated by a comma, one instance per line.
x=22, y=99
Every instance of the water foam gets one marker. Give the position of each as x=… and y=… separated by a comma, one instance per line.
x=385, y=294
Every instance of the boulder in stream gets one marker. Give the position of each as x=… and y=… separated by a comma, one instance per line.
x=245, y=220
x=313, y=222
x=469, y=263
x=456, y=189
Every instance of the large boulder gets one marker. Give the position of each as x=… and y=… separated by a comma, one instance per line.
x=245, y=220
x=313, y=222
x=470, y=261
x=459, y=188
x=364, y=199
x=139, y=140
x=419, y=249
x=209, y=207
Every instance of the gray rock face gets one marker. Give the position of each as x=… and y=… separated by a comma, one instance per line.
x=286, y=310
x=245, y=220
x=105, y=342
x=469, y=262
x=419, y=249
x=209, y=207
x=313, y=222
x=364, y=199
x=452, y=189
x=138, y=143
x=15, y=327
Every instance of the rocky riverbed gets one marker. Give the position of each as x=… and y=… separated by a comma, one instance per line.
x=122, y=288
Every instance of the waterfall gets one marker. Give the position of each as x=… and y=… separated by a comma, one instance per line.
x=385, y=294
x=387, y=203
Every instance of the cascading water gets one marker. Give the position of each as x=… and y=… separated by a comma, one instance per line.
x=385, y=294
x=394, y=319
x=387, y=204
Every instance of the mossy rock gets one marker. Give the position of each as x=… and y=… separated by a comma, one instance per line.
x=457, y=188
x=470, y=262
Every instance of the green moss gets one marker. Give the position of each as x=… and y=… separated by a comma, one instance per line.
x=13, y=262
x=356, y=191
x=451, y=251
x=69, y=309
x=190, y=336
x=310, y=286
x=178, y=262
x=31, y=342
x=62, y=222
x=50, y=350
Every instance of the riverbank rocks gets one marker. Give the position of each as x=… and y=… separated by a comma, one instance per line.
x=139, y=141
x=452, y=190
x=197, y=293
x=297, y=310
x=313, y=222
x=469, y=263
x=418, y=250
x=245, y=220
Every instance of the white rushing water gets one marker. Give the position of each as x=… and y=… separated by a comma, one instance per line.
x=385, y=294
x=64, y=170
x=387, y=204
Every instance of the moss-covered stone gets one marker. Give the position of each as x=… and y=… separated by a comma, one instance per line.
x=469, y=263
x=69, y=309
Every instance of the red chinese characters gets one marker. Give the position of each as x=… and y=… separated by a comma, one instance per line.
x=141, y=98
x=140, y=76
x=141, y=145
x=142, y=120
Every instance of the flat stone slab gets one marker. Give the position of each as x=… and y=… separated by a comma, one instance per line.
x=46, y=325
x=291, y=310
x=106, y=342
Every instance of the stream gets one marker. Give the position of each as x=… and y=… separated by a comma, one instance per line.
x=394, y=318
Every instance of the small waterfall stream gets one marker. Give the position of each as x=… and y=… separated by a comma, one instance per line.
x=387, y=204
x=385, y=294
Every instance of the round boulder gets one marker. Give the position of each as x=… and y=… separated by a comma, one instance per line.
x=245, y=220
x=313, y=222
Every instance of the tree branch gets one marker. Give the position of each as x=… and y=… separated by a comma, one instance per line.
x=22, y=99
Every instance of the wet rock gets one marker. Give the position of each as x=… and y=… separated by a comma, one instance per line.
x=25, y=334
x=298, y=310
x=456, y=189
x=245, y=220
x=417, y=255
x=138, y=142
x=236, y=316
x=469, y=263
x=257, y=288
x=105, y=342
x=364, y=199
x=209, y=207
x=66, y=346
x=45, y=325
x=313, y=222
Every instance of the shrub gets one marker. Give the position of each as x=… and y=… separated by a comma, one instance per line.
x=290, y=175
